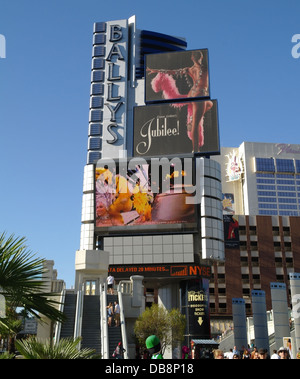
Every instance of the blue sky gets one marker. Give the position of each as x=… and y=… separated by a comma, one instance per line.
x=45, y=86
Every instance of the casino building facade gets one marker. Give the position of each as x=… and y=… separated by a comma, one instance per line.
x=197, y=224
x=261, y=194
x=173, y=244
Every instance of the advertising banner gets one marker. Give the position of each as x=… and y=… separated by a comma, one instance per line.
x=231, y=232
x=195, y=306
x=176, y=128
x=177, y=75
x=139, y=196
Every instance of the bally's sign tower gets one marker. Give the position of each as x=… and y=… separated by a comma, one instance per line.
x=150, y=99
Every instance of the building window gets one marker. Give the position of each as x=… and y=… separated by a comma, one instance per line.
x=266, y=199
x=288, y=213
x=265, y=164
x=285, y=165
x=267, y=206
x=266, y=193
x=287, y=200
x=267, y=213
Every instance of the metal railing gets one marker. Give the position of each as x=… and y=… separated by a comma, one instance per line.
x=124, y=287
x=61, y=309
x=78, y=315
x=104, y=322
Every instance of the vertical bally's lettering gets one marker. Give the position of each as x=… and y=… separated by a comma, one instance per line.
x=113, y=97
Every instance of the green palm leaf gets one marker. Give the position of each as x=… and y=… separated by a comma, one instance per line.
x=21, y=279
x=65, y=349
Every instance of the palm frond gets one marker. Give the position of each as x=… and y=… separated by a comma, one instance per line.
x=32, y=348
x=21, y=277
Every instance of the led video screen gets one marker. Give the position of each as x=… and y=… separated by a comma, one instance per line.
x=177, y=75
x=176, y=128
x=145, y=196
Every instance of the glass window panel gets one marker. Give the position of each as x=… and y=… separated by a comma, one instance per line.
x=297, y=163
x=285, y=165
x=265, y=164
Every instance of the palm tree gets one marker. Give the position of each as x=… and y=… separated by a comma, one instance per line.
x=65, y=349
x=21, y=280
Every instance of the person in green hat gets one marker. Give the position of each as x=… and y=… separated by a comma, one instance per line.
x=154, y=347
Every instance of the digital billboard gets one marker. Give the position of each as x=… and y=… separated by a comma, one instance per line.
x=231, y=231
x=144, y=196
x=176, y=128
x=177, y=75
x=162, y=270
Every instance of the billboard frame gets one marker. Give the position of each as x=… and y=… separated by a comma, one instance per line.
x=179, y=227
x=173, y=69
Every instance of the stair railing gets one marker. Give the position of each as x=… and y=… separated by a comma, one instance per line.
x=78, y=315
x=104, y=322
x=120, y=290
x=61, y=309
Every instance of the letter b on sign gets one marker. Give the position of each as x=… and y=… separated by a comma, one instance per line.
x=115, y=33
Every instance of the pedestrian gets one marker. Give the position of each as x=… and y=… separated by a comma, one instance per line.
x=262, y=353
x=218, y=354
x=117, y=314
x=185, y=353
x=229, y=354
x=154, y=347
x=119, y=351
x=110, y=284
x=110, y=313
x=254, y=352
x=246, y=354
x=275, y=355
x=235, y=351
x=283, y=353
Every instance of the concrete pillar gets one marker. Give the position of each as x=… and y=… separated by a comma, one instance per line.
x=280, y=312
x=90, y=265
x=260, y=320
x=295, y=294
x=239, y=322
x=165, y=296
x=138, y=299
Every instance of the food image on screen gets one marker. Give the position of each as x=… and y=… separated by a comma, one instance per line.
x=134, y=198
